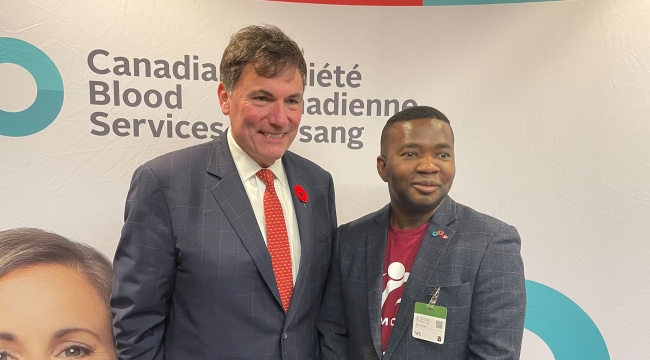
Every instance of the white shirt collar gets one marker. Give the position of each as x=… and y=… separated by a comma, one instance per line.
x=247, y=167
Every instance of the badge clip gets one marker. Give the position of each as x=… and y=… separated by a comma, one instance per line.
x=434, y=298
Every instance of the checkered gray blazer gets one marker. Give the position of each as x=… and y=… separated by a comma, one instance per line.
x=193, y=276
x=478, y=268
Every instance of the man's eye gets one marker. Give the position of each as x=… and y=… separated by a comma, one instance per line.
x=445, y=155
x=410, y=154
x=75, y=351
x=4, y=355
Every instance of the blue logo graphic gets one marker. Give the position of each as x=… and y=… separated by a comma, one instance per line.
x=567, y=330
x=49, y=95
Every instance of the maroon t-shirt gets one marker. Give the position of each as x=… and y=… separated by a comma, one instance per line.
x=402, y=247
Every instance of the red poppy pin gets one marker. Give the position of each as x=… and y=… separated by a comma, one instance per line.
x=301, y=193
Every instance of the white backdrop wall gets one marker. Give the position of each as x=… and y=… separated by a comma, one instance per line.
x=549, y=101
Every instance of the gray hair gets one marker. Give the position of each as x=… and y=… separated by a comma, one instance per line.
x=267, y=48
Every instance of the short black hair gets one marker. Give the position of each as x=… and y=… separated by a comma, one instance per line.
x=412, y=113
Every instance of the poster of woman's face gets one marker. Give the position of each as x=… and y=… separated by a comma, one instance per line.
x=53, y=298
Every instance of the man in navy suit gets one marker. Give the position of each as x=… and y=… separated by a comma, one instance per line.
x=226, y=245
x=424, y=277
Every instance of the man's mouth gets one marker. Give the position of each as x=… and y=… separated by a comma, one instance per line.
x=272, y=135
x=426, y=183
x=426, y=186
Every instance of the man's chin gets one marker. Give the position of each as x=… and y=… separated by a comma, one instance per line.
x=269, y=157
x=427, y=205
x=271, y=150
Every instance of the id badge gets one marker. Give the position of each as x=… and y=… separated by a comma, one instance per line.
x=429, y=322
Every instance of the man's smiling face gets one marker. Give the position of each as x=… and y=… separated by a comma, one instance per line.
x=264, y=112
x=419, y=165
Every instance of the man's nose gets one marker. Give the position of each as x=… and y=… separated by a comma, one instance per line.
x=278, y=114
x=428, y=164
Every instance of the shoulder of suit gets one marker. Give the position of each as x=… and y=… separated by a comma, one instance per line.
x=190, y=158
x=466, y=214
x=364, y=223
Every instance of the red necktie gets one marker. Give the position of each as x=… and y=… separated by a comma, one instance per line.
x=277, y=239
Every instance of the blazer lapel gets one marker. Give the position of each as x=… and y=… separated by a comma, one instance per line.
x=231, y=196
x=426, y=261
x=304, y=216
x=376, y=242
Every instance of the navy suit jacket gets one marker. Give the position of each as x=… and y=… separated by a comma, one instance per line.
x=478, y=268
x=193, y=275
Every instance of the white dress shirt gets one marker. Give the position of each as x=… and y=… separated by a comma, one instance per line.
x=248, y=168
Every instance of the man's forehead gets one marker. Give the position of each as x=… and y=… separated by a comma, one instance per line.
x=286, y=75
x=274, y=71
x=422, y=123
x=421, y=128
x=420, y=132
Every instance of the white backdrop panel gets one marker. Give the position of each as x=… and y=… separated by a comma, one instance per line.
x=550, y=105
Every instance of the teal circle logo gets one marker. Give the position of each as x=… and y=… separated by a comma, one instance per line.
x=49, y=85
x=567, y=329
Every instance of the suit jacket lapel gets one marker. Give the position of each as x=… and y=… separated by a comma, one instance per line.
x=304, y=216
x=426, y=261
x=231, y=196
x=376, y=242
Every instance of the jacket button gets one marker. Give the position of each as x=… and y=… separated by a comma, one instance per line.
x=285, y=336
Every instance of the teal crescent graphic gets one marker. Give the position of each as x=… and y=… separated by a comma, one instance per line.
x=567, y=330
x=49, y=85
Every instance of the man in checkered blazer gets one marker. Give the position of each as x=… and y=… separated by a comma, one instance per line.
x=423, y=248
x=194, y=277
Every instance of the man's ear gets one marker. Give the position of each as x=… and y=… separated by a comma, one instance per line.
x=224, y=99
x=381, y=167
